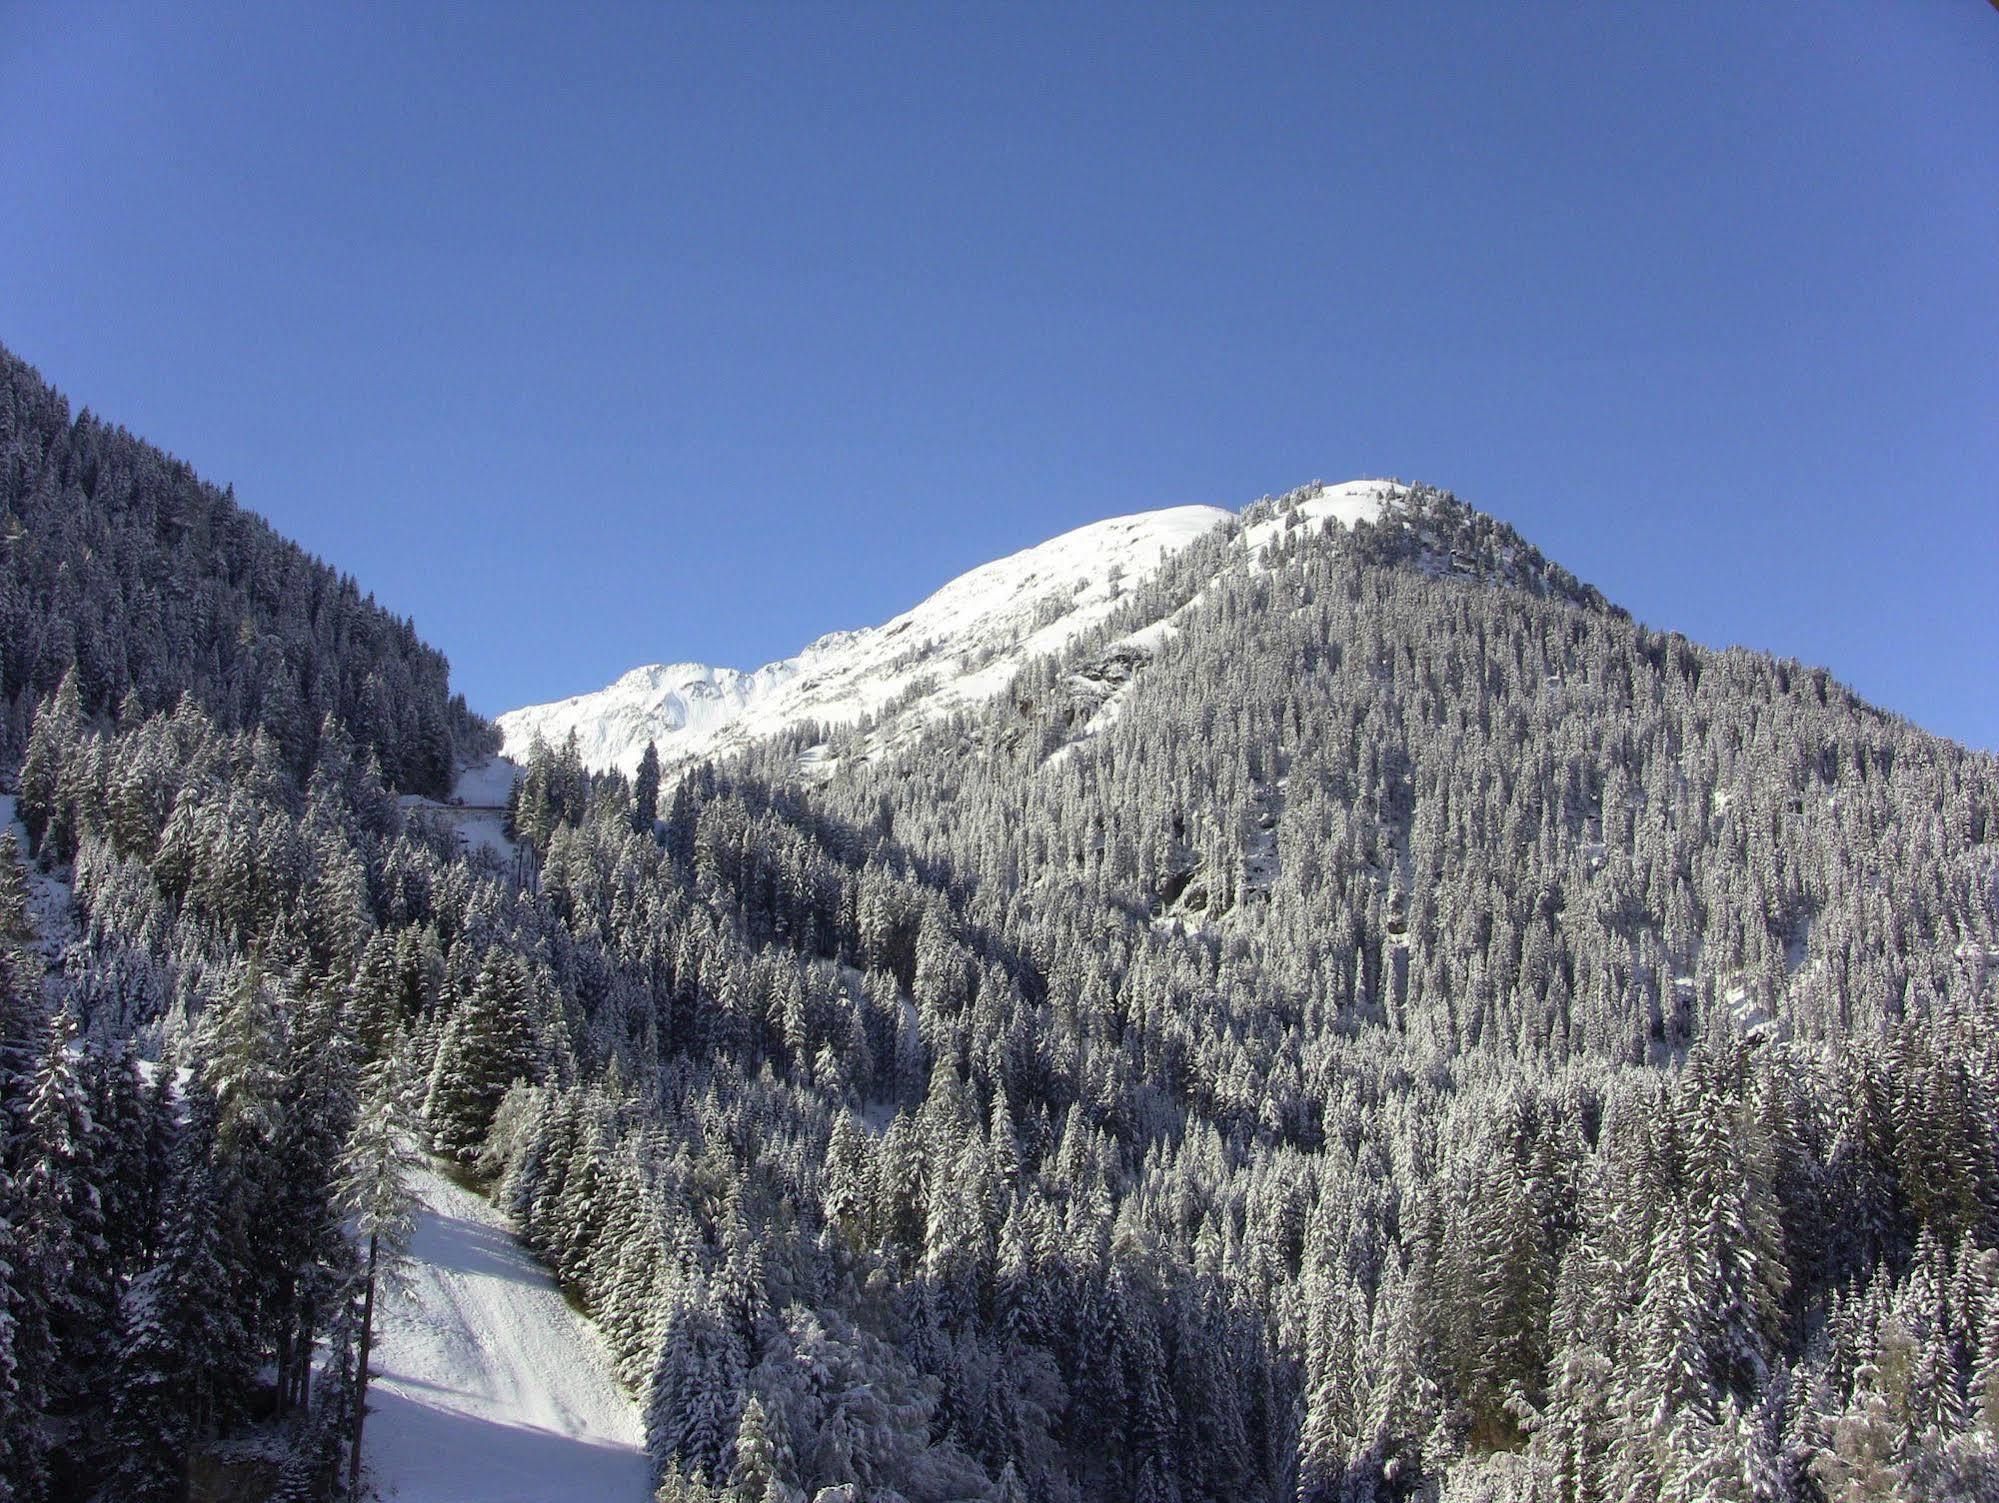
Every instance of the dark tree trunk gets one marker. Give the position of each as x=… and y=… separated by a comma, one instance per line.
x=361, y=1372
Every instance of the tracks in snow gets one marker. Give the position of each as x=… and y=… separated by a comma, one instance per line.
x=488, y=1386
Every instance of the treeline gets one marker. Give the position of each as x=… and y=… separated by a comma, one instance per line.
x=119, y=565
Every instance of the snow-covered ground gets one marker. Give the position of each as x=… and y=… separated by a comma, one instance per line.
x=485, y=785
x=477, y=810
x=488, y=1386
x=959, y=647
x=50, y=901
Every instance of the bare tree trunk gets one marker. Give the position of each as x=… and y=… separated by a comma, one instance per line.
x=288, y=1347
x=285, y=1366
x=361, y=1372
x=308, y=1335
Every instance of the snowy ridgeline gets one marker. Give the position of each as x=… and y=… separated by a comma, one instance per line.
x=489, y=1387
x=958, y=648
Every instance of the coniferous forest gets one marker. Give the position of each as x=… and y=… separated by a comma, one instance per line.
x=1369, y=1021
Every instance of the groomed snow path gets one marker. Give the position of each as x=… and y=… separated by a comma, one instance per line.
x=488, y=1386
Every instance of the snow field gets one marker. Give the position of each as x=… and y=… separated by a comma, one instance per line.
x=488, y=1386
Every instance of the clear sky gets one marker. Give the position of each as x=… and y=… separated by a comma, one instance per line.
x=690, y=332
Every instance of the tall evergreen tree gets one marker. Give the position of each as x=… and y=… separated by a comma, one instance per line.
x=645, y=791
x=377, y=1194
x=488, y=1044
x=173, y=1331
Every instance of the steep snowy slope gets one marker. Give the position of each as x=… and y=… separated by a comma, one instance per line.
x=1354, y=502
x=489, y=1387
x=957, y=648
x=477, y=810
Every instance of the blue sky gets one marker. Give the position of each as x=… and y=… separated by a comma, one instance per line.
x=690, y=332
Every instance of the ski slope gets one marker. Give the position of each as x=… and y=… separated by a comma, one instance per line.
x=488, y=1386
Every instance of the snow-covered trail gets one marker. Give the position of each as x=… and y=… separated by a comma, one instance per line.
x=488, y=1386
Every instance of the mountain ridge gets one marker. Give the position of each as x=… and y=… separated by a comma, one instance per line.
x=981, y=627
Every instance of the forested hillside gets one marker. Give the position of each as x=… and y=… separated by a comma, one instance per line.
x=118, y=563
x=1367, y=1021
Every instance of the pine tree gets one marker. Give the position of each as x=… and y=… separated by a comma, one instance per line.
x=487, y=1046
x=645, y=791
x=1008, y=1488
x=762, y=1469
x=51, y=744
x=692, y=1412
x=378, y=1197
x=678, y=1486
x=239, y=1100
x=171, y=1336
x=23, y=1013
x=24, y=1341
x=64, y=1250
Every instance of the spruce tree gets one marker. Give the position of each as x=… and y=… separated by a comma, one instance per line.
x=64, y=1252
x=379, y=1199
x=761, y=1469
x=172, y=1334
x=487, y=1045
x=645, y=791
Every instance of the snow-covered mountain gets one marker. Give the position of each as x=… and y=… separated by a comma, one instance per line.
x=959, y=647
